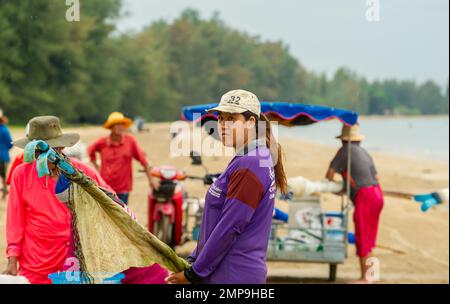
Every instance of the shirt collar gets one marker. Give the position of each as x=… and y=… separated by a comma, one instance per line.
x=110, y=142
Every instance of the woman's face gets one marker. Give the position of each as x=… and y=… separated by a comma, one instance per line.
x=234, y=129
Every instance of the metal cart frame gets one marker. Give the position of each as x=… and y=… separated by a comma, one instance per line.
x=332, y=252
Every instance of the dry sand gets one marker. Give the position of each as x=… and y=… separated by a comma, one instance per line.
x=423, y=237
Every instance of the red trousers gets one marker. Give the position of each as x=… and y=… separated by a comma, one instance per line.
x=368, y=205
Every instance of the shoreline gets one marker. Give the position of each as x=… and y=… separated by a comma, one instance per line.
x=403, y=156
x=16, y=133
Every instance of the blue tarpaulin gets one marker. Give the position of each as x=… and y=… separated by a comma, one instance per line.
x=288, y=114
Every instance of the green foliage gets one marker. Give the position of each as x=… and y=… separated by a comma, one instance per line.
x=80, y=71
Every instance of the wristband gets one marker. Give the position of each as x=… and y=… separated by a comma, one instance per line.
x=191, y=276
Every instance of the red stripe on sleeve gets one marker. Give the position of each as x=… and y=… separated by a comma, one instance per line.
x=246, y=187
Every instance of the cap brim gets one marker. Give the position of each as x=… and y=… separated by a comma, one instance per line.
x=63, y=141
x=227, y=109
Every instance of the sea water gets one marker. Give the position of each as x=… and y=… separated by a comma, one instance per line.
x=419, y=137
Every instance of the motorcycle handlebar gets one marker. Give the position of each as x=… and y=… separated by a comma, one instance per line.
x=195, y=177
x=208, y=179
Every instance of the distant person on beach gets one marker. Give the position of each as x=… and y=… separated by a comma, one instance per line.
x=139, y=124
x=366, y=193
x=117, y=152
x=5, y=146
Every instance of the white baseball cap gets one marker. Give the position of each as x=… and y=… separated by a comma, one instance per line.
x=238, y=102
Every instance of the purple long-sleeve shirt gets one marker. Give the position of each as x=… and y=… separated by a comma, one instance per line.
x=236, y=223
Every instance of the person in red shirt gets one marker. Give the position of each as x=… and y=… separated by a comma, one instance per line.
x=117, y=152
x=37, y=224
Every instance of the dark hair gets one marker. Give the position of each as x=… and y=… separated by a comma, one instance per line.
x=275, y=148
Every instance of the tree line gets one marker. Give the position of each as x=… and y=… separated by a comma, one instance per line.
x=83, y=70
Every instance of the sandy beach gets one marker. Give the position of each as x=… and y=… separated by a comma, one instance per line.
x=423, y=237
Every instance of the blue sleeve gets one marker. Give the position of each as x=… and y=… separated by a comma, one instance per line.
x=8, y=139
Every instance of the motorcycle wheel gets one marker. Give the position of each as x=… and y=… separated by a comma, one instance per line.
x=163, y=230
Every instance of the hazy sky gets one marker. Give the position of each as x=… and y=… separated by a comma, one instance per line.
x=409, y=42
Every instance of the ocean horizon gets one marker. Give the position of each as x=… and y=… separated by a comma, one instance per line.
x=425, y=137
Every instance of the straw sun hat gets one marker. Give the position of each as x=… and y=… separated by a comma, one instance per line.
x=117, y=118
x=351, y=133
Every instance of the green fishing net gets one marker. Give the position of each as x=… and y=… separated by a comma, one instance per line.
x=108, y=239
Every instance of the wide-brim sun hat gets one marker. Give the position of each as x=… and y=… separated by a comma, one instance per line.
x=117, y=118
x=238, y=102
x=351, y=133
x=48, y=129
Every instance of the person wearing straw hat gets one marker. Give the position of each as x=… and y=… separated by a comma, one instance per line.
x=237, y=218
x=5, y=146
x=117, y=152
x=366, y=193
x=37, y=223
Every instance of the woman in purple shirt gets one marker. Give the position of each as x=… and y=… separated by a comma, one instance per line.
x=239, y=205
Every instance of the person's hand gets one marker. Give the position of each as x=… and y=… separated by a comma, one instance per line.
x=154, y=183
x=341, y=193
x=95, y=166
x=11, y=269
x=177, y=278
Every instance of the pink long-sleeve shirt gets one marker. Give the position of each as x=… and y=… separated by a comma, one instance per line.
x=116, y=158
x=37, y=223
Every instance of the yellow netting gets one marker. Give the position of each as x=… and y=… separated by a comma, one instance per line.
x=109, y=239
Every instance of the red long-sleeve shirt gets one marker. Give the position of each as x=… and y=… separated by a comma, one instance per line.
x=37, y=223
x=116, y=161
